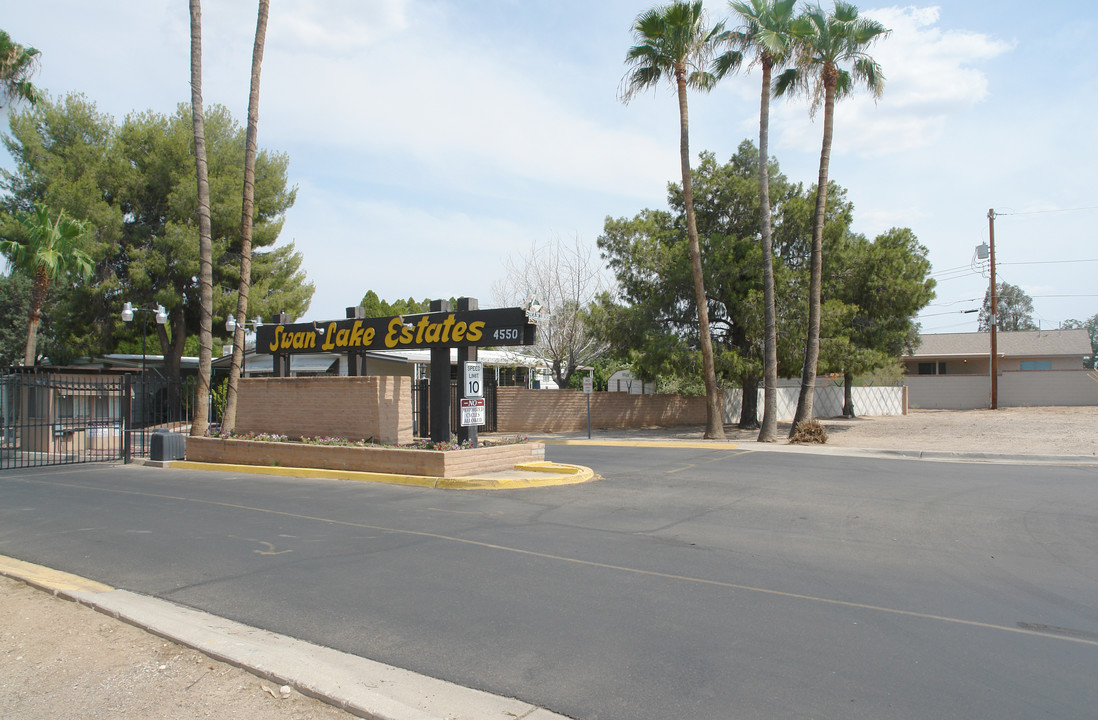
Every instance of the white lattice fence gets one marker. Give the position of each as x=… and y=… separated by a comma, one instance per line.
x=828, y=402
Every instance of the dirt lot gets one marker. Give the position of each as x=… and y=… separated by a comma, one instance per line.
x=61, y=660
x=1029, y=431
x=1012, y=431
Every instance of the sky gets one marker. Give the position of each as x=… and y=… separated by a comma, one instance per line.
x=433, y=140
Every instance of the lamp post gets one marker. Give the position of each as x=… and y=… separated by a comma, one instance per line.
x=161, y=318
x=230, y=327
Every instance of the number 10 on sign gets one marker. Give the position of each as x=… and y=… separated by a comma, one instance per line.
x=474, y=379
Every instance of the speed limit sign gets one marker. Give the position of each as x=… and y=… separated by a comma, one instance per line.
x=474, y=379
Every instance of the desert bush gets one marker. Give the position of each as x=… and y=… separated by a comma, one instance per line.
x=810, y=432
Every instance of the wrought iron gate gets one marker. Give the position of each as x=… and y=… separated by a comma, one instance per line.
x=58, y=416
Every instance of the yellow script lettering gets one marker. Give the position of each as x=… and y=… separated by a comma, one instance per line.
x=274, y=344
x=328, y=344
x=446, y=328
x=396, y=325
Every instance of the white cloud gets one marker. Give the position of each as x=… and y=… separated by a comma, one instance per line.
x=418, y=93
x=339, y=26
x=931, y=74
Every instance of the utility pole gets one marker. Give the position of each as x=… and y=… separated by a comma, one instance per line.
x=994, y=319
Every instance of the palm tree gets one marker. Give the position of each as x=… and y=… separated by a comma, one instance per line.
x=766, y=32
x=826, y=45
x=48, y=252
x=17, y=64
x=229, y=420
x=673, y=42
x=205, y=241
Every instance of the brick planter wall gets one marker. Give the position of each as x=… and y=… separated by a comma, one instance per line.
x=356, y=408
x=402, y=461
x=531, y=411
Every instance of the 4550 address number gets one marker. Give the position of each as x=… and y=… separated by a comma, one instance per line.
x=511, y=333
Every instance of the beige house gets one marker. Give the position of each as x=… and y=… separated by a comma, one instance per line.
x=1035, y=368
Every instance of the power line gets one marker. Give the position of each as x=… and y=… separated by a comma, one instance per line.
x=1042, y=212
x=951, y=312
x=953, y=302
x=1048, y=262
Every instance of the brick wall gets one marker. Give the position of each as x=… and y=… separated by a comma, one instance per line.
x=527, y=411
x=351, y=407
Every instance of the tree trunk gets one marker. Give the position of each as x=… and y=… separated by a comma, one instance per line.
x=714, y=407
x=34, y=317
x=812, y=345
x=199, y=422
x=246, y=219
x=848, y=394
x=769, y=429
x=171, y=350
x=749, y=407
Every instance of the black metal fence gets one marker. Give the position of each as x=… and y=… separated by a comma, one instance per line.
x=57, y=416
x=421, y=416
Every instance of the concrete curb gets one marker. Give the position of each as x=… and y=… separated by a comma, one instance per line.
x=525, y=475
x=362, y=687
x=883, y=454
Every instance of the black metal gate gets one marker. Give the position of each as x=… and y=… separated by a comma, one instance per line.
x=421, y=416
x=58, y=416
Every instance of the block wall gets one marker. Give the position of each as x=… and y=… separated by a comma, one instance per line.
x=356, y=408
x=532, y=411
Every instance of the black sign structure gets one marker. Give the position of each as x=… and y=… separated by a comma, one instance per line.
x=465, y=328
x=470, y=328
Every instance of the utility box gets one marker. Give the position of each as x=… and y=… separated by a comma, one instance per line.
x=167, y=446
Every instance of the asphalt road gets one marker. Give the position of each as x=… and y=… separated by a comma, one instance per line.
x=685, y=583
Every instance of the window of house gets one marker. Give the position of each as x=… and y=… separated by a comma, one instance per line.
x=1036, y=365
x=926, y=368
x=66, y=407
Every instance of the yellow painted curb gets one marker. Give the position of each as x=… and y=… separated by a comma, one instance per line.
x=48, y=579
x=688, y=444
x=545, y=474
x=319, y=473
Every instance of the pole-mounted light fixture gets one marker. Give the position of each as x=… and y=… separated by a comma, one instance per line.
x=161, y=319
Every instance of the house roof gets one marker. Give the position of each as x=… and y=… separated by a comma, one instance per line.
x=1026, y=343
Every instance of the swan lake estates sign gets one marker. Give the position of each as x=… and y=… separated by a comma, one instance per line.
x=469, y=328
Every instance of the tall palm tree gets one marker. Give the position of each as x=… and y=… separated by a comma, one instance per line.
x=766, y=33
x=17, y=65
x=48, y=251
x=673, y=42
x=205, y=241
x=827, y=45
x=229, y=421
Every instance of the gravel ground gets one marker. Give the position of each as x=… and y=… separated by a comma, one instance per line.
x=1012, y=431
x=61, y=660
